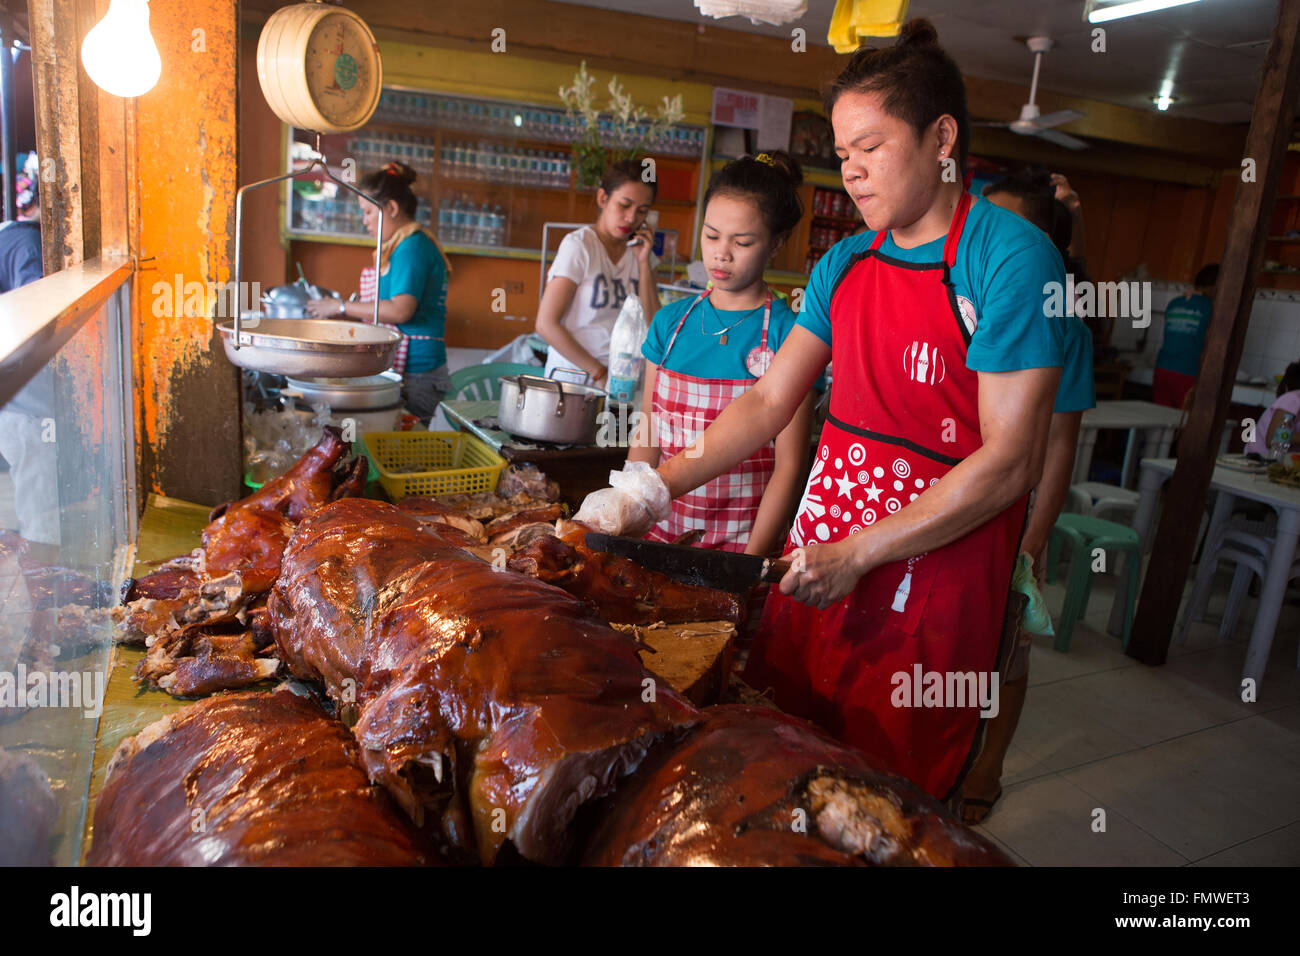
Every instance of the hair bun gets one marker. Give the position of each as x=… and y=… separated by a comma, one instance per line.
x=783, y=163
x=918, y=32
x=400, y=171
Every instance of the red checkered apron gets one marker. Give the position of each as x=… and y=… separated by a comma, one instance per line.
x=369, y=288
x=683, y=407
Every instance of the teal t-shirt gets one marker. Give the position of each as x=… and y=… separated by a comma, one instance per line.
x=417, y=268
x=1002, y=265
x=1186, y=319
x=701, y=355
x=1076, y=393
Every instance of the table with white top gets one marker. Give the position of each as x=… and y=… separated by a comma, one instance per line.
x=1231, y=484
x=1157, y=423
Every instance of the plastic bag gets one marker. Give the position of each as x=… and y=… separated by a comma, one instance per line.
x=635, y=502
x=1037, y=619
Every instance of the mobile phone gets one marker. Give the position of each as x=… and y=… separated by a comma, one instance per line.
x=651, y=220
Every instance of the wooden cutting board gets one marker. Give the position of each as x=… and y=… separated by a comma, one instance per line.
x=694, y=659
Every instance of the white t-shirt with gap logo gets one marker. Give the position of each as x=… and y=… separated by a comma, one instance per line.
x=602, y=287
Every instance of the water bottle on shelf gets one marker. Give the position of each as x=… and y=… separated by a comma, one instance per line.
x=1280, y=446
x=444, y=233
x=453, y=220
x=625, y=350
x=498, y=227
x=483, y=226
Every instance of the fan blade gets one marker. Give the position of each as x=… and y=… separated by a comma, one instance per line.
x=1059, y=118
x=1061, y=139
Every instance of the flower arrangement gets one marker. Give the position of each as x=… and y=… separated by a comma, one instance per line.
x=623, y=136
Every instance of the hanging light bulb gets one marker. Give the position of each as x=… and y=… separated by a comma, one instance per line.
x=119, y=53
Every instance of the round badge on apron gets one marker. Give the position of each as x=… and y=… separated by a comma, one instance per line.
x=759, y=360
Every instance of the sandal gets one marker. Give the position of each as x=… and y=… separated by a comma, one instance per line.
x=986, y=806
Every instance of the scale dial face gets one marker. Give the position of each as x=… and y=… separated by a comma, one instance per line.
x=342, y=68
x=319, y=67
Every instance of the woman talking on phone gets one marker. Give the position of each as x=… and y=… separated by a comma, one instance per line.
x=595, y=269
x=946, y=366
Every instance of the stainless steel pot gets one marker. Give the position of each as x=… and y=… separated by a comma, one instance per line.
x=290, y=301
x=348, y=394
x=546, y=410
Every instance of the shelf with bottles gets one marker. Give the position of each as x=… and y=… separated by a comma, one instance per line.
x=488, y=173
x=834, y=217
x=502, y=118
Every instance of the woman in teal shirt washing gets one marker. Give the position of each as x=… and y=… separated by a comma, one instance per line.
x=413, y=273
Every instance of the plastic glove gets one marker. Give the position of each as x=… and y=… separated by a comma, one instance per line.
x=1037, y=619
x=637, y=500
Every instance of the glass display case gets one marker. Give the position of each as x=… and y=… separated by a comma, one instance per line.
x=490, y=172
x=67, y=522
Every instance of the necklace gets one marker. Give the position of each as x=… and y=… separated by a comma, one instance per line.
x=722, y=334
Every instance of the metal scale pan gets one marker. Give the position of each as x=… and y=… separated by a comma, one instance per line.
x=305, y=348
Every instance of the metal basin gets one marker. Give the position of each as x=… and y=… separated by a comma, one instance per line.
x=350, y=394
x=309, y=348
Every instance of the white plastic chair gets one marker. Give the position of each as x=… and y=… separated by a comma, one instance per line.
x=1105, y=501
x=1247, y=543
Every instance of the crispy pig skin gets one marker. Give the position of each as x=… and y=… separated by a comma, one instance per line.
x=274, y=781
x=249, y=535
x=491, y=705
x=310, y=483
x=619, y=588
x=752, y=786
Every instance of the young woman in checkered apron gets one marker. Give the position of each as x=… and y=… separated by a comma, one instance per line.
x=705, y=352
x=411, y=283
x=946, y=365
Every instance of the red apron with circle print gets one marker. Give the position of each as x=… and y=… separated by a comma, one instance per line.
x=904, y=411
x=684, y=406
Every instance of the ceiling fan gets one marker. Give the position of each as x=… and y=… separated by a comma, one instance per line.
x=1033, y=123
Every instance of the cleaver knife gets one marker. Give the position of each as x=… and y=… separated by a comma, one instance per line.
x=702, y=567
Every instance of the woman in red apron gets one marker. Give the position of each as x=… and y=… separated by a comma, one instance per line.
x=887, y=629
x=704, y=353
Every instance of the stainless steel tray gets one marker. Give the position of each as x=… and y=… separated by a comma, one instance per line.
x=310, y=348
x=350, y=394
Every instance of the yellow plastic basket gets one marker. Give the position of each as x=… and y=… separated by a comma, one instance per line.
x=432, y=463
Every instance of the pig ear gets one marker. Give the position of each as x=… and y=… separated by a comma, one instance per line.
x=218, y=511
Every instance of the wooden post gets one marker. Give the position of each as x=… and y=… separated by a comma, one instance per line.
x=1266, y=143
x=153, y=177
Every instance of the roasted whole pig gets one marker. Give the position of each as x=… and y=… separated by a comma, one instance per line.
x=248, y=779
x=200, y=608
x=619, y=588
x=490, y=704
x=752, y=786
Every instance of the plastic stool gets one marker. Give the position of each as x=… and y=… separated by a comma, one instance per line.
x=1238, y=536
x=1084, y=534
x=478, y=383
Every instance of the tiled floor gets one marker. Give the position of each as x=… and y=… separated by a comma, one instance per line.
x=1170, y=759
